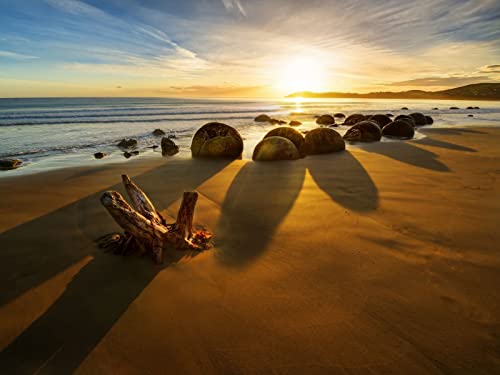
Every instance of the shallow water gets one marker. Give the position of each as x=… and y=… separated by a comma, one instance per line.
x=60, y=132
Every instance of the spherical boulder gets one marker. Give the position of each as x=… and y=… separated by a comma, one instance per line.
x=354, y=119
x=429, y=120
x=126, y=143
x=295, y=123
x=381, y=120
x=99, y=155
x=275, y=148
x=323, y=141
x=7, y=164
x=407, y=118
x=262, y=118
x=289, y=133
x=168, y=147
x=339, y=115
x=364, y=131
x=419, y=118
x=217, y=140
x=158, y=132
x=404, y=108
x=398, y=129
x=325, y=120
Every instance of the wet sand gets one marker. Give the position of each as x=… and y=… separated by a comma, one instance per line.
x=384, y=259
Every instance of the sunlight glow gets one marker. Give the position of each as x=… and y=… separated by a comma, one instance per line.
x=301, y=74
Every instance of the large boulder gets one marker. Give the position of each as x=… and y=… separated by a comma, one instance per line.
x=168, y=147
x=325, y=120
x=398, y=129
x=419, y=118
x=364, y=131
x=429, y=120
x=381, y=120
x=289, y=133
x=158, y=132
x=406, y=118
x=127, y=143
x=7, y=164
x=217, y=140
x=262, y=118
x=323, y=141
x=354, y=119
x=275, y=148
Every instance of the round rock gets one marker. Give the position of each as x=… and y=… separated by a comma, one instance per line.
x=323, y=141
x=168, y=147
x=275, y=148
x=217, y=140
x=354, y=119
x=364, y=131
x=398, y=129
x=381, y=120
x=419, y=118
x=289, y=133
x=262, y=118
x=325, y=120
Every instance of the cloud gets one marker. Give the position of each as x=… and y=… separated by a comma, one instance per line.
x=76, y=7
x=15, y=55
x=234, y=6
x=490, y=69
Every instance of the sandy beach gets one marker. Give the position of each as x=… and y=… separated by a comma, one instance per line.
x=382, y=259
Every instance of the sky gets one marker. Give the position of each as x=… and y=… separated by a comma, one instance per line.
x=244, y=48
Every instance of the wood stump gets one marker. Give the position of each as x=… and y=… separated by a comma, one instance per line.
x=145, y=229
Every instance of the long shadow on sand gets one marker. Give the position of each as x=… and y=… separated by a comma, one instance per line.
x=407, y=153
x=442, y=144
x=247, y=225
x=99, y=294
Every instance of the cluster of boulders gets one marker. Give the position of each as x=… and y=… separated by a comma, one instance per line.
x=266, y=118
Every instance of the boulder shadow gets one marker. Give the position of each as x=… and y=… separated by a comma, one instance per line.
x=442, y=144
x=259, y=198
x=407, y=153
x=345, y=180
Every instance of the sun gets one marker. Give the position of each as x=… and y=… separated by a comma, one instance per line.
x=301, y=74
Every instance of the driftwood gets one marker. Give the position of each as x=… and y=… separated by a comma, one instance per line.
x=145, y=228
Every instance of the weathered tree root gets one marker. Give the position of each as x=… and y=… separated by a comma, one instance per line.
x=146, y=231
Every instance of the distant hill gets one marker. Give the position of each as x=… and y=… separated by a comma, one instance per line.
x=478, y=91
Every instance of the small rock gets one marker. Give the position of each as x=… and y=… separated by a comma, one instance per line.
x=477, y=108
x=470, y=115
x=168, y=147
x=454, y=108
x=295, y=123
x=404, y=108
x=325, y=120
x=339, y=115
x=262, y=118
x=99, y=155
x=126, y=143
x=435, y=109
x=127, y=154
x=158, y=132
x=7, y=164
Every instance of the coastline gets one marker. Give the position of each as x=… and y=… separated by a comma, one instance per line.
x=309, y=272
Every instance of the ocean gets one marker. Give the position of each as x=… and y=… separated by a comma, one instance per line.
x=51, y=133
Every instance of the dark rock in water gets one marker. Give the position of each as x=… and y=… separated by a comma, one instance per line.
x=435, y=109
x=127, y=154
x=354, y=119
x=470, y=108
x=282, y=122
x=168, y=147
x=172, y=136
x=99, y=155
x=8, y=164
x=217, y=140
x=477, y=108
x=381, y=120
x=274, y=121
x=429, y=120
x=389, y=115
x=295, y=123
x=398, y=129
x=323, y=141
x=262, y=118
x=419, y=118
x=135, y=152
x=126, y=143
x=289, y=133
x=364, y=131
x=275, y=148
x=454, y=108
x=339, y=115
x=154, y=147
x=404, y=108
x=325, y=120
x=470, y=115
x=406, y=118
x=158, y=132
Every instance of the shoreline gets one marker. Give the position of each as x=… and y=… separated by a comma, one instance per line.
x=309, y=270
